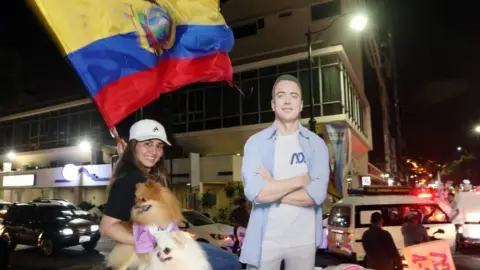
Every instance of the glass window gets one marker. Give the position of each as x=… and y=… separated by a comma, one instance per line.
x=9, y=136
x=179, y=102
x=267, y=117
x=250, y=98
x=325, y=10
x=230, y=101
x=62, y=127
x=366, y=216
x=213, y=124
x=331, y=84
x=250, y=119
x=213, y=102
x=25, y=133
x=73, y=126
x=195, y=126
x=395, y=216
x=52, y=129
x=195, y=100
x=266, y=71
x=245, y=30
x=288, y=67
x=266, y=86
x=84, y=124
x=34, y=129
x=231, y=122
x=340, y=216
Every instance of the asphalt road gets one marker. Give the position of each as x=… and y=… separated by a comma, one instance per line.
x=76, y=258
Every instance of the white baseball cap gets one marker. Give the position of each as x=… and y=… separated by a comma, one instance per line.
x=147, y=129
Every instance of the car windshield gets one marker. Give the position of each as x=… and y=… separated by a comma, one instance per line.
x=197, y=219
x=4, y=206
x=57, y=212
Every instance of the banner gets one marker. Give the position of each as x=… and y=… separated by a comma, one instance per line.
x=434, y=255
x=337, y=134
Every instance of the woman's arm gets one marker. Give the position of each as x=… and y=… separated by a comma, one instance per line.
x=113, y=228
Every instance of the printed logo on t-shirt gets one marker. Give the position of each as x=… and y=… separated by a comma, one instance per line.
x=297, y=158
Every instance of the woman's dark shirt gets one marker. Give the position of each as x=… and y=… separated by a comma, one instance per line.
x=121, y=197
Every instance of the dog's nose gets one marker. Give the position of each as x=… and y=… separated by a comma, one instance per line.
x=166, y=251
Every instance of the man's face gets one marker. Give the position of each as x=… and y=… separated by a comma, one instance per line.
x=287, y=101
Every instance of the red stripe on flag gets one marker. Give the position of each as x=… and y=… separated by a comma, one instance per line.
x=119, y=99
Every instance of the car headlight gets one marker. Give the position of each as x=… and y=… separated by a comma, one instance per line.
x=94, y=228
x=66, y=231
x=220, y=236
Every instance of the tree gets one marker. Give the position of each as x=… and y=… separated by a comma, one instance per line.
x=466, y=167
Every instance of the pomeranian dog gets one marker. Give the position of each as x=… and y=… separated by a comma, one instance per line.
x=178, y=251
x=156, y=210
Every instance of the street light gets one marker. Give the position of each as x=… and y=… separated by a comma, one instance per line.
x=358, y=23
x=11, y=155
x=477, y=129
x=85, y=146
x=459, y=148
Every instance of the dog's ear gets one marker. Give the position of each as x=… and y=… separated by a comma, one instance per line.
x=179, y=238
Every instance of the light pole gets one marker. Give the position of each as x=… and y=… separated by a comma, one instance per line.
x=358, y=23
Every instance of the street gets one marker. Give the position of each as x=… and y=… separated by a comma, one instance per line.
x=77, y=259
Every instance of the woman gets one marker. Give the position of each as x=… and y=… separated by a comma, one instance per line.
x=142, y=159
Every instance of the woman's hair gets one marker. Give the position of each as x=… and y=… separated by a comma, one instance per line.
x=128, y=161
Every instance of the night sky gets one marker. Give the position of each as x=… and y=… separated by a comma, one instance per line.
x=438, y=66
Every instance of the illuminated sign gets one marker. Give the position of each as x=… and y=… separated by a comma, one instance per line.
x=366, y=180
x=23, y=180
x=71, y=173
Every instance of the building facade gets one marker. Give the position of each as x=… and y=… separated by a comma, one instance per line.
x=213, y=121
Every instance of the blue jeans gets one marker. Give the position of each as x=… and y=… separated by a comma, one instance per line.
x=221, y=259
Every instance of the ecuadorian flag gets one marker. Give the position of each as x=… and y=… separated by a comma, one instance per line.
x=128, y=52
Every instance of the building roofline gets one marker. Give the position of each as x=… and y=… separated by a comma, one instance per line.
x=47, y=109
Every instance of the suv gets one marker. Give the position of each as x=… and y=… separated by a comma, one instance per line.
x=49, y=226
x=76, y=210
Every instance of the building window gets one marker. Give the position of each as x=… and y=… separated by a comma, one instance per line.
x=325, y=10
x=248, y=29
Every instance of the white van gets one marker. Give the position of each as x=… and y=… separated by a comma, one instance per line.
x=469, y=206
x=350, y=218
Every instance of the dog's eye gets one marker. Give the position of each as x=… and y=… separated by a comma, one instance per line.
x=142, y=199
x=166, y=250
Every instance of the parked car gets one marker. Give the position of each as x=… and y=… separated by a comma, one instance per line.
x=76, y=210
x=49, y=226
x=204, y=229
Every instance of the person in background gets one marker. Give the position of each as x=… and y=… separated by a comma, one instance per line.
x=240, y=215
x=382, y=254
x=412, y=229
x=454, y=215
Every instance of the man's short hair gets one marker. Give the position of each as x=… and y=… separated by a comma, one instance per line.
x=286, y=77
x=376, y=218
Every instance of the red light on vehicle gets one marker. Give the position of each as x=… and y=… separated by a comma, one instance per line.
x=425, y=195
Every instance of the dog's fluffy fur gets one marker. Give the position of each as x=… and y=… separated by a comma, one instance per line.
x=177, y=251
x=163, y=209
